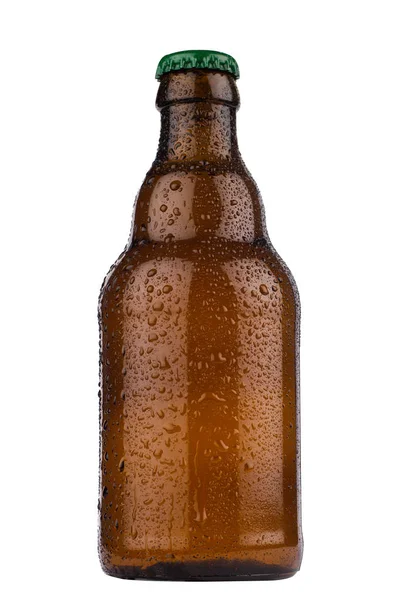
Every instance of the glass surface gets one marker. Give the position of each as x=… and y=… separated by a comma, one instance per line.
x=199, y=333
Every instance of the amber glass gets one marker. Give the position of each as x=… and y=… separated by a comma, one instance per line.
x=199, y=334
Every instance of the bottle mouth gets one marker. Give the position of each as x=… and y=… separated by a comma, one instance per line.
x=198, y=59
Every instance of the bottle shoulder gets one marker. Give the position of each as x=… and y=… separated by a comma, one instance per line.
x=256, y=266
x=183, y=201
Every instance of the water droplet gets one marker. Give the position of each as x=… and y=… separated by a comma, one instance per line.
x=221, y=445
x=264, y=289
x=121, y=464
x=158, y=305
x=172, y=428
x=175, y=185
x=163, y=207
x=167, y=289
x=151, y=273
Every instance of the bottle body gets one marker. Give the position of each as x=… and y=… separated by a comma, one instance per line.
x=199, y=333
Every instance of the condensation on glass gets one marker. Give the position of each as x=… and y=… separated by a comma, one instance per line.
x=199, y=336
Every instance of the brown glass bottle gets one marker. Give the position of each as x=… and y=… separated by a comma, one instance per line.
x=199, y=334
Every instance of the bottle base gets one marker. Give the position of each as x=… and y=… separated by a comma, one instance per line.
x=219, y=570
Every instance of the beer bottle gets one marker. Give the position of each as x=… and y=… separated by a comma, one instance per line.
x=199, y=350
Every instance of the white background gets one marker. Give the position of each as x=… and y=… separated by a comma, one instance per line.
x=319, y=128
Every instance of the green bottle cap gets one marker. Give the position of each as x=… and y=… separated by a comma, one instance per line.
x=197, y=59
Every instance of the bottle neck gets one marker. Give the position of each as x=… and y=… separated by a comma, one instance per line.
x=198, y=117
x=198, y=131
x=198, y=186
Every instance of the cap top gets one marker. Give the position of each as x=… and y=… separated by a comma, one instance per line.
x=197, y=59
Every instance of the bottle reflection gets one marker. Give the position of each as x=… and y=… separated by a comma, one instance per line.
x=212, y=408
